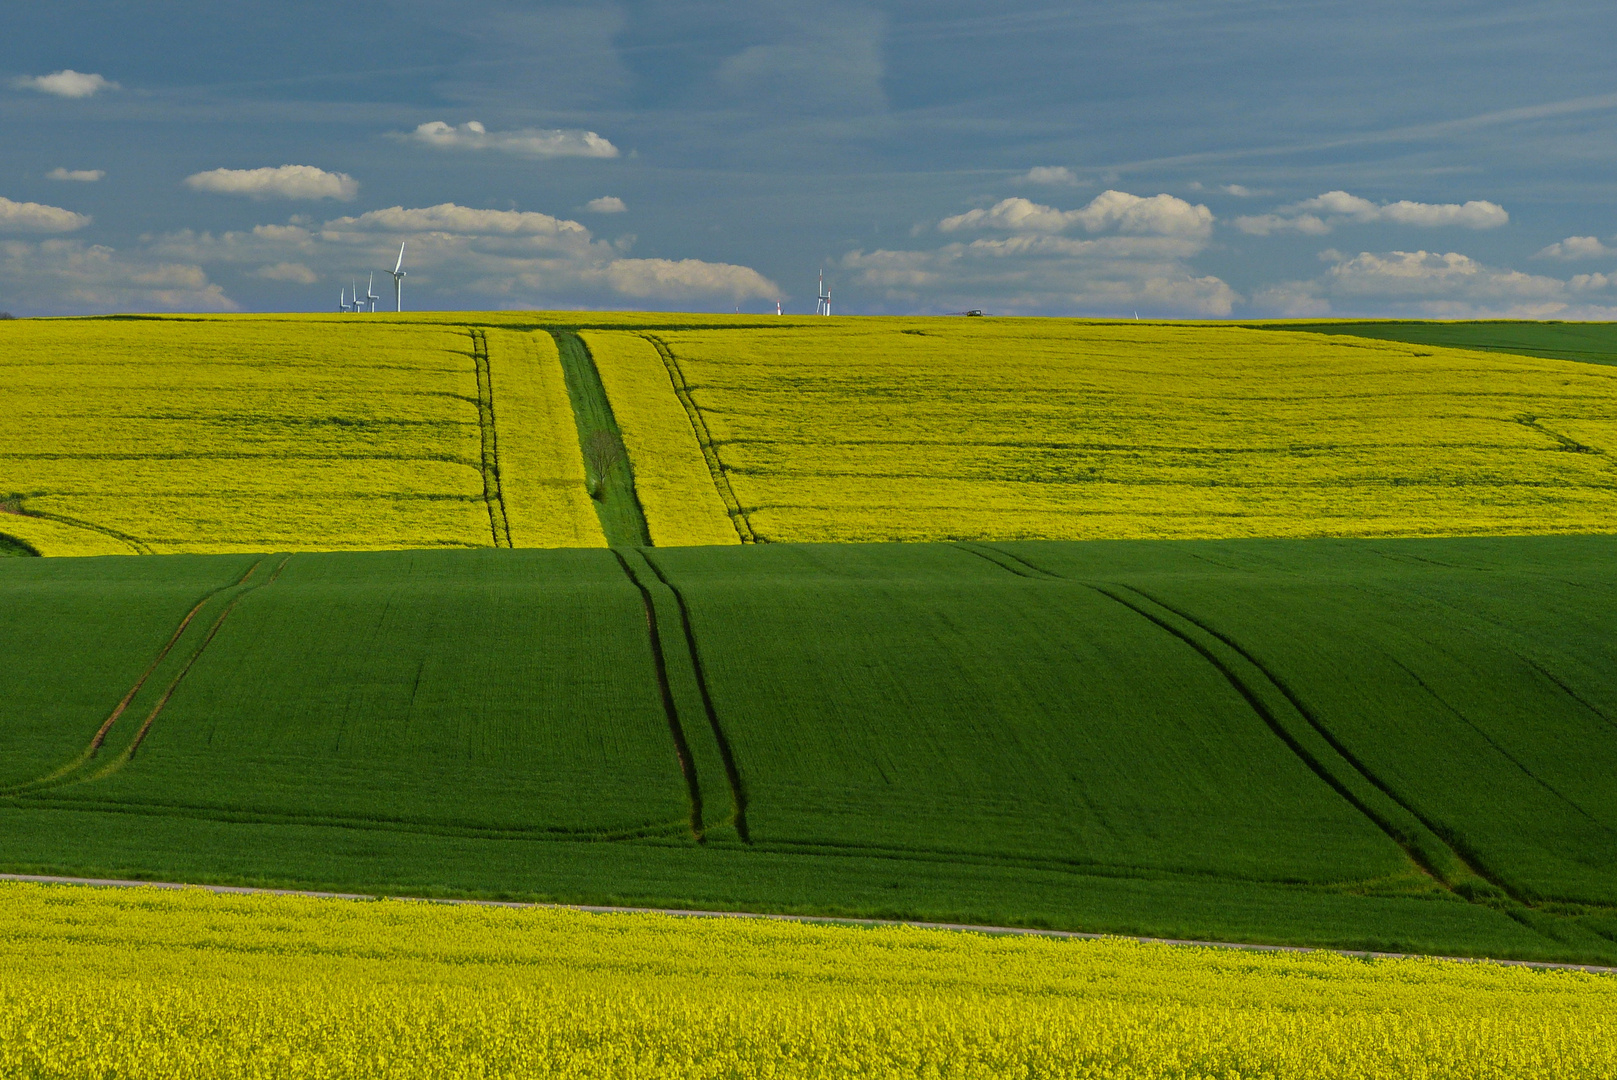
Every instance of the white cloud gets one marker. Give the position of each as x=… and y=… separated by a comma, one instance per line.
x=1159, y=215
x=1321, y=214
x=83, y=176
x=512, y=258
x=296, y=273
x=1054, y=175
x=38, y=217
x=1139, y=261
x=69, y=276
x=606, y=204
x=67, y=83
x=525, y=142
x=1576, y=247
x=285, y=182
x=1437, y=285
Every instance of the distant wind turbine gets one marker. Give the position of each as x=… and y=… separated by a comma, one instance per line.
x=398, y=273
x=370, y=292
x=342, y=299
x=824, y=305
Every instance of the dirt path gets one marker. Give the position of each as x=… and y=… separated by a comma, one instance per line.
x=44, y=879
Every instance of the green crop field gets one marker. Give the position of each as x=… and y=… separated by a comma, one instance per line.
x=1379, y=743
x=1591, y=343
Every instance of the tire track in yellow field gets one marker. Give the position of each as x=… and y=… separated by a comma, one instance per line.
x=493, y=496
x=710, y=453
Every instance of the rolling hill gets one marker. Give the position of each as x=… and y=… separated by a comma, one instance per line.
x=1374, y=743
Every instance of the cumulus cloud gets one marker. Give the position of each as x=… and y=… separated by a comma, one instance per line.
x=514, y=258
x=1321, y=214
x=1437, y=285
x=296, y=273
x=525, y=142
x=1576, y=247
x=68, y=276
x=1159, y=215
x=284, y=182
x=82, y=176
x=606, y=204
x=66, y=83
x=38, y=217
x=1133, y=257
x=1053, y=175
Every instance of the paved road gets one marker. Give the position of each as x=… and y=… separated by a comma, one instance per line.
x=827, y=919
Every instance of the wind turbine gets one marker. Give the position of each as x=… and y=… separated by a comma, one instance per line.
x=398, y=273
x=370, y=292
x=824, y=305
x=342, y=299
x=355, y=291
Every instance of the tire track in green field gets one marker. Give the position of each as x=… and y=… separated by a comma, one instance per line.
x=732, y=773
x=704, y=438
x=168, y=692
x=76, y=771
x=100, y=736
x=493, y=497
x=1432, y=847
x=682, y=747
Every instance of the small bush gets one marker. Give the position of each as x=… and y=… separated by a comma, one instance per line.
x=603, y=452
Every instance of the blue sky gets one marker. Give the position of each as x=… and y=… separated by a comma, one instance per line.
x=1200, y=159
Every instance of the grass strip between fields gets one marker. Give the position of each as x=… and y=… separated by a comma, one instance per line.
x=606, y=463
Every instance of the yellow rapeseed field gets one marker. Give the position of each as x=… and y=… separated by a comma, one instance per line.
x=868, y=429
x=671, y=477
x=242, y=434
x=161, y=984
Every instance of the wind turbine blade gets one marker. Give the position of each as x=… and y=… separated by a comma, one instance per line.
x=400, y=263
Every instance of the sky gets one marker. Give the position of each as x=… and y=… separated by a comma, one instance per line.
x=1170, y=158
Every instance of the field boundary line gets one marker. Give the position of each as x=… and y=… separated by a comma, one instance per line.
x=493, y=497
x=816, y=920
x=732, y=773
x=682, y=747
x=704, y=439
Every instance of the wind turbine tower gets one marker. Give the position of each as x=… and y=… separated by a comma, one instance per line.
x=398, y=273
x=370, y=292
x=824, y=305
